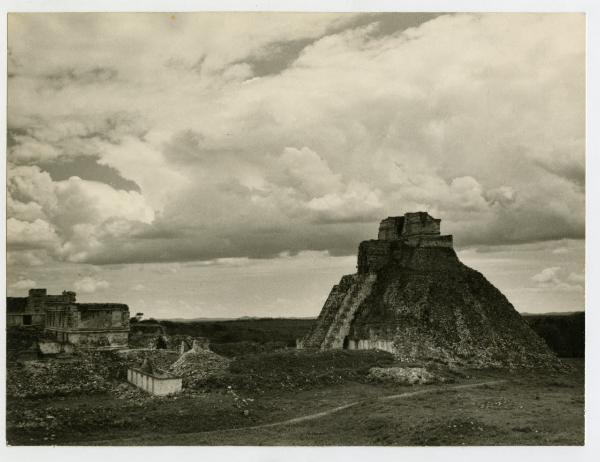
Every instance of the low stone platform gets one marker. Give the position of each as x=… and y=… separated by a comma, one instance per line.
x=154, y=383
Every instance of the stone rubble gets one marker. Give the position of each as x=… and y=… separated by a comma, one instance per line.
x=403, y=375
x=35, y=379
x=197, y=366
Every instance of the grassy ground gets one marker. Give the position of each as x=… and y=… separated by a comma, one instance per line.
x=527, y=408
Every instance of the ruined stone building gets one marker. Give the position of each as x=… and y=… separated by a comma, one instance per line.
x=92, y=325
x=31, y=310
x=412, y=296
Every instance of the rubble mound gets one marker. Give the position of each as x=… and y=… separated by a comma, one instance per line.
x=403, y=375
x=413, y=297
x=160, y=359
x=195, y=367
x=36, y=379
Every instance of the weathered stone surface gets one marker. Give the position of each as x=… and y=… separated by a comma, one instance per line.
x=390, y=228
x=374, y=255
x=197, y=366
x=49, y=347
x=155, y=384
x=317, y=335
x=423, y=304
x=420, y=223
x=87, y=325
x=411, y=224
x=403, y=375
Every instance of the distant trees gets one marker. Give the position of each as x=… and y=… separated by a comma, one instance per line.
x=137, y=318
x=564, y=334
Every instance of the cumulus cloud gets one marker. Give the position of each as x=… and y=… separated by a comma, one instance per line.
x=306, y=172
x=547, y=275
x=27, y=258
x=555, y=278
x=30, y=235
x=89, y=285
x=576, y=278
x=477, y=118
x=23, y=284
x=68, y=218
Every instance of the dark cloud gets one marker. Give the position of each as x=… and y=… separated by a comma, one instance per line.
x=95, y=75
x=564, y=166
x=158, y=232
x=193, y=244
x=87, y=168
x=12, y=63
x=276, y=57
x=375, y=115
x=391, y=23
x=180, y=64
x=13, y=134
x=35, y=140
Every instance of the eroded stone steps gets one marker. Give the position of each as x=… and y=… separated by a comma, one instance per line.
x=340, y=327
x=323, y=323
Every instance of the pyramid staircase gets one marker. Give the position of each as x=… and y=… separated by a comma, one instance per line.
x=340, y=326
x=314, y=339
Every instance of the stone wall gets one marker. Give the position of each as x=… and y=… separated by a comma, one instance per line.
x=31, y=310
x=159, y=385
x=102, y=316
x=411, y=224
x=50, y=347
x=391, y=228
x=102, y=339
x=369, y=344
x=419, y=223
x=429, y=241
x=89, y=325
x=373, y=255
x=15, y=320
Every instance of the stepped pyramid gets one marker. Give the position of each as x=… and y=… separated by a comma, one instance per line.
x=413, y=297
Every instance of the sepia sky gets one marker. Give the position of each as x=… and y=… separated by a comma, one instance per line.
x=221, y=165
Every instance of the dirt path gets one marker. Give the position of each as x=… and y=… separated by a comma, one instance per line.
x=304, y=418
x=318, y=415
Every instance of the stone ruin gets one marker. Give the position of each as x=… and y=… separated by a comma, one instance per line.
x=196, y=344
x=66, y=322
x=413, y=297
x=153, y=381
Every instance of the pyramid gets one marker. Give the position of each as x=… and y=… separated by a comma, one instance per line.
x=413, y=297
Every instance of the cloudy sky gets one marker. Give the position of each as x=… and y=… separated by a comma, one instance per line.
x=218, y=165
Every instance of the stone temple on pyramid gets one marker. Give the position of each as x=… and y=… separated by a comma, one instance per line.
x=413, y=297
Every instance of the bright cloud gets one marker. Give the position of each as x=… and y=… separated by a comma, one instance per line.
x=555, y=277
x=477, y=118
x=88, y=285
x=23, y=284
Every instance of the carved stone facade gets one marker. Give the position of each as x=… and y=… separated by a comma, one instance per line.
x=90, y=325
x=411, y=224
x=31, y=310
x=417, y=229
